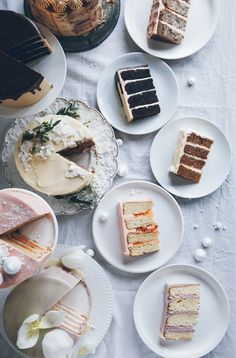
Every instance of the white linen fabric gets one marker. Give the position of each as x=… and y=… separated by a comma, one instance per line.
x=212, y=97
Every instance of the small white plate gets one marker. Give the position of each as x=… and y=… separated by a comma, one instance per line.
x=107, y=234
x=213, y=315
x=54, y=74
x=202, y=22
x=215, y=171
x=100, y=291
x=109, y=101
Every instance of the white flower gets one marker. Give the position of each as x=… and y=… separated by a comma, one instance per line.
x=57, y=344
x=73, y=260
x=28, y=333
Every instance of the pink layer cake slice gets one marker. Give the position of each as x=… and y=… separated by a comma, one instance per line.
x=139, y=230
x=181, y=311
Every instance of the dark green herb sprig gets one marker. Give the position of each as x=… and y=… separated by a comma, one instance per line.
x=71, y=110
x=39, y=134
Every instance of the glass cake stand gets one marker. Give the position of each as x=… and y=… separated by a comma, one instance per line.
x=93, y=38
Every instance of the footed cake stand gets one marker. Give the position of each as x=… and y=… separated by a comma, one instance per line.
x=93, y=38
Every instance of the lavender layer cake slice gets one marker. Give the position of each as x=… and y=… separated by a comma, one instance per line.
x=181, y=311
x=168, y=20
x=137, y=92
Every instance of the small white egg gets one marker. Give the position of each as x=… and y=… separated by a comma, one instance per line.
x=191, y=81
x=120, y=142
x=122, y=170
x=12, y=265
x=90, y=252
x=104, y=216
x=207, y=242
x=200, y=255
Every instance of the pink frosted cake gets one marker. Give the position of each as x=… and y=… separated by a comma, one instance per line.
x=139, y=230
x=181, y=311
x=55, y=305
x=22, y=249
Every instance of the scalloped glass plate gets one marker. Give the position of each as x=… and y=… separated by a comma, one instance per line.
x=101, y=294
x=107, y=152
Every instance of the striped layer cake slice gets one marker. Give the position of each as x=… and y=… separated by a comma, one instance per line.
x=181, y=311
x=139, y=230
x=191, y=155
x=137, y=92
x=168, y=20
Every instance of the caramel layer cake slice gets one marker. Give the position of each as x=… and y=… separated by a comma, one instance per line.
x=139, y=230
x=168, y=20
x=137, y=92
x=191, y=155
x=181, y=311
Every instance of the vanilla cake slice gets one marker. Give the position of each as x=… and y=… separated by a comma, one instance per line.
x=139, y=230
x=181, y=311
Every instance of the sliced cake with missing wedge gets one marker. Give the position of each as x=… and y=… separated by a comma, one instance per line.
x=137, y=92
x=181, y=311
x=139, y=230
x=191, y=154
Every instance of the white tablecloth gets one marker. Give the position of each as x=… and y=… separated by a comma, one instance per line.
x=212, y=97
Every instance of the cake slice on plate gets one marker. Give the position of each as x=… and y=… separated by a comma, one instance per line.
x=168, y=20
x=139, y=230
x=181, y=311
x=191, y=155
x=137, y=92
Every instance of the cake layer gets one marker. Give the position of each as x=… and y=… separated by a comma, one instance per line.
x=141, y=237
x=179, y=335
x=144, y=248
x=168, y=20
x=184, y=304
x=190, y=156
x=139, y=221
x=137, y=207
x=179, y=290
x=182, y=319
x=137, y=92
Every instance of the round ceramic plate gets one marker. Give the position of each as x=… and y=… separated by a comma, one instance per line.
x=215, y=171
x=101, y=297
x=43, y=230
x=202, y=22
x=213, y=315
x=54, y=74
x=168, y=216
x=107, y=152
x=109, y=101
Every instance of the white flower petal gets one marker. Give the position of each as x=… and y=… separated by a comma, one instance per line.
x=52, y=319
x=87, y=347
x=57, y=344
x=28, y=333
x=73, y=260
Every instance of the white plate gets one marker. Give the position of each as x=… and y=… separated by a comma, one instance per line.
x=101, y=297
x=213, y=316
x=109, y=101
x=54, y=74
x=202, y=22
x=107, y=150
x=215, y=171
x=168, y=215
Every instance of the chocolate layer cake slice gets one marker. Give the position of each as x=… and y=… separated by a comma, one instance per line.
x=191, y=155
x=139, y=230
x=20, y=86
x=168, y=20
x=21, y=38
x=181, y=311
x=137, y=92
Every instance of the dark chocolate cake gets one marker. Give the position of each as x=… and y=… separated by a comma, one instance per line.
x=137, y=92
x=20, y=37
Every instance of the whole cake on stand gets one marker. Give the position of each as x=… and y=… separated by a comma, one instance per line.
x=79, y=24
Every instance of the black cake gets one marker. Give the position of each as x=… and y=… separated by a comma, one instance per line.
x=137, y=92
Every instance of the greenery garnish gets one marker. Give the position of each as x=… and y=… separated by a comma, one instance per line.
x=71, y=110
x=39, y=134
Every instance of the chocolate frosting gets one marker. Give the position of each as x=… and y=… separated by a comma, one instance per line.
x=16, y=78
x=16, y=28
